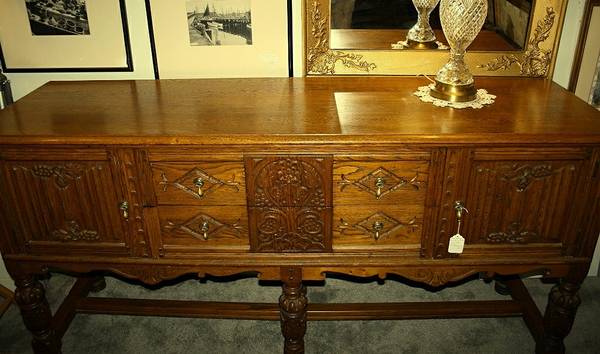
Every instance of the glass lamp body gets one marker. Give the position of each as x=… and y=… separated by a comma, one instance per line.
x=461, y=22
x=422, y=31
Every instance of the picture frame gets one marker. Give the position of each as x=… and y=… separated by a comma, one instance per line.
x=585, y=73
x=64, y=36
x=536, y=59
x=188, y=47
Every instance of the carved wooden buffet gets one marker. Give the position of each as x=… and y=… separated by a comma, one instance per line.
x=294, y=179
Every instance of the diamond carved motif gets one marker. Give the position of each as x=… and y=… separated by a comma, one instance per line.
x=187, y=183
x=378, y=225
x=381, y=182
x=203, y=226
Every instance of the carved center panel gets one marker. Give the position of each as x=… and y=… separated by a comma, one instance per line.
x=289, y=201
x=289, y=181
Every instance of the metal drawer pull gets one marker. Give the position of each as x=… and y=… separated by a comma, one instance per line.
x=377, y=227
x=379, y=183
x=124, y=207
x=204, y=229
x=199, y=182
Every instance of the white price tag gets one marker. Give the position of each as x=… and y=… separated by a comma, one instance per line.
x=456, y=244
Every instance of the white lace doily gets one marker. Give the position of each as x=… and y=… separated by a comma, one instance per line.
x=483, y=98
x=404, y=45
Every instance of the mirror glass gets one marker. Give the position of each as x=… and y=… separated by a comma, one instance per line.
x=377, y=24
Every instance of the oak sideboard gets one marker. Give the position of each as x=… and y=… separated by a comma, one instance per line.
x=293, y=180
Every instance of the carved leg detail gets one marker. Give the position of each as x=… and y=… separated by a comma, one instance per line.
x=559, y=316
x=292, y=305
x=31, y=298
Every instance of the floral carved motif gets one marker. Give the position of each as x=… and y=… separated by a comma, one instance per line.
x=73, y=232
x=521, y=176
x=290, y=203
x=514, y=234
x=290, y=230
x=321, y=59
x=535, y=61
x=289, y=181
x=63, y=175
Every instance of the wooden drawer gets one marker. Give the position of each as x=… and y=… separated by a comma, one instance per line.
x=380, y=182
x=201, y=183
x=202, y=229
x=383, y=227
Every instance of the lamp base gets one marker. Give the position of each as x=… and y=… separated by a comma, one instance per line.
x=421, y=45
x=454, y=93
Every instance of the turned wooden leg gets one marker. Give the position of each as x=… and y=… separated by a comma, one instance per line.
x=292, y=305
x=501, y=288
x=559, y=316
x=98, y=285
x=31, y=298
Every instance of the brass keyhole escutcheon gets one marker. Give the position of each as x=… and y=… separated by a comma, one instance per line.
x=124, y=207
x=204, y=229
x=199, y=182
x=377, y=227
x=379, y=183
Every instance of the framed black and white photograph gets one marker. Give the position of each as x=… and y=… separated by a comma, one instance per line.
x=228, y=38
x=227, y=22
x=64, y=36
x=585, y=75
x=58, y=17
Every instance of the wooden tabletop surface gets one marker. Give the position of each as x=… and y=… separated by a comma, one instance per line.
x=300, y=110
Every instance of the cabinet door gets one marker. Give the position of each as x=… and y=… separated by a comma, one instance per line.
x=518, y=200
x=65, y=202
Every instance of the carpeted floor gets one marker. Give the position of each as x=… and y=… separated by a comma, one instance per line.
x=124, y=334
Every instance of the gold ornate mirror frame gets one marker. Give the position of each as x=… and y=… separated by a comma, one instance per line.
x=536, y=60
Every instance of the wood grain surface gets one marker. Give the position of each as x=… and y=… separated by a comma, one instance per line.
x=301, y=110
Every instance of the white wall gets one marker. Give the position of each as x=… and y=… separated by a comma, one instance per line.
x=568, y=42
x=23, y=83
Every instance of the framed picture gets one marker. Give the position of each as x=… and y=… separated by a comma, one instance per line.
x=585, y=76
x=225, y=38
x=64, y=36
